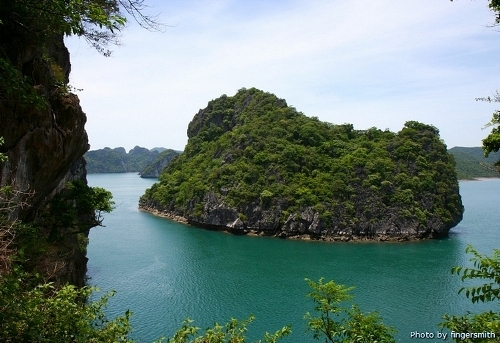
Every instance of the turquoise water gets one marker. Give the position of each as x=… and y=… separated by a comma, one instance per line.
x=165, y=271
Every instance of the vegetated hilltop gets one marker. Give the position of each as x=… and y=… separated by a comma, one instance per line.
x=154, y=169
x=117, y=160
x=471, y=163
x=255, y=165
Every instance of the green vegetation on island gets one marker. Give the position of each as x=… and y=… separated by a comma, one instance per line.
x=117, y=160
x=38, y=229
x=154, y=169
x=252, y=163
x=471, y=163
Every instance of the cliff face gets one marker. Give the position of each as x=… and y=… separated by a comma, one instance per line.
x=117, y=160
x=254, y=165
x=44, y=144
x=154, y=169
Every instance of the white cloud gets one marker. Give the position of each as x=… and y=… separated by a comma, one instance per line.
x=369, y=63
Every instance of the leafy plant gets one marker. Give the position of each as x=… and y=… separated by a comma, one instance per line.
x=3, y=158
x=342, y=324
x=42, y=313
x=485, y=269
x=17, y=89
x=234, y=331
x=71, y=208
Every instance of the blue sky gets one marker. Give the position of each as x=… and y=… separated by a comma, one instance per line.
x=369, y=63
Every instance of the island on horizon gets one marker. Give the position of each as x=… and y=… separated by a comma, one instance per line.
x=254, y=165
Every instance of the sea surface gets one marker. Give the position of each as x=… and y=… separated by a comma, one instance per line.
x=165, y=272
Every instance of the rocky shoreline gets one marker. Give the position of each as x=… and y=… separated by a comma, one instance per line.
x=283, y=235
x=163, y=214
x=245, y=172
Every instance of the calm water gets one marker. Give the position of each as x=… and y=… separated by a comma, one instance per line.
x=164, y=271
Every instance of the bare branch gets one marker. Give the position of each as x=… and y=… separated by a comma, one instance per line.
x=136, y=8
x=10, y=201
x=494, y=98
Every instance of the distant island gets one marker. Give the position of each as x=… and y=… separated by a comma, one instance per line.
x=471, y=163
x=148, y=163
x=254, y=165
x=154, y=169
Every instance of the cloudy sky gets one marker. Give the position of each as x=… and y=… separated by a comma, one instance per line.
x=369, y=63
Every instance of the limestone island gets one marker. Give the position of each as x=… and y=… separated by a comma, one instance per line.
x=254, y=165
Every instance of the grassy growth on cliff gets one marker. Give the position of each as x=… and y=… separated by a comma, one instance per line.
x=252, y=149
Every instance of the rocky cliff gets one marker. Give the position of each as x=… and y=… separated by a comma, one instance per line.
x=255, y=165
x=117, y=160
x=154, y=169
x=42, y=125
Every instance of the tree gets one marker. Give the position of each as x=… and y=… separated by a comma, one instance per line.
x=492, y=142
x=43, y=313
x=35, y=311
x=80, y=206
x=98, y=21
x=9, y=203
x=234, y=331
x=485, y=269
x=333, y=323
x=341, y=324
x=494, y=6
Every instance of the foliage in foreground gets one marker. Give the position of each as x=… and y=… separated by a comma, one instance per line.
x=32, y=309
x=492, y=142
x=232, y=332
x=343, y=324
x=485, y=269
x=97, y=21
x=43, y=313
